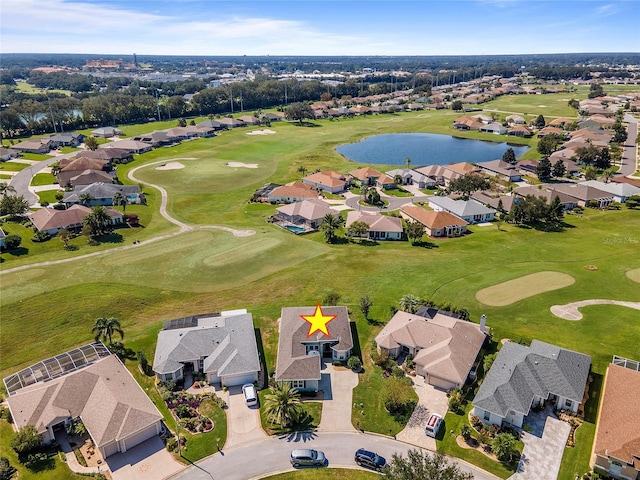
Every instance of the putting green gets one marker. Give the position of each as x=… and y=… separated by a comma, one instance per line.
x=512, y=291
x=634, y=275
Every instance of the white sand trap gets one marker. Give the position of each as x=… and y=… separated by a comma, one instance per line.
x=242, y=165
x=570, y=310
x=631, y=274
x=170, y=166
x=266, y=131
x=542, y=106
x=511, y=291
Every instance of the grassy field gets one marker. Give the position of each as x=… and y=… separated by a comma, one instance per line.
x=325, y=474
x=51, y=308
x=43, y=179
x=24, y=87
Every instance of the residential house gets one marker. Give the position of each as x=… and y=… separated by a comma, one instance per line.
x=501, y=169
x=365, y=176
x=520, y=131
x=470, y=211
x=212, y=124
x=73, y=178
x=385, y=182
x=86, y=383
x=232, y=122
x=567, y=202
x=68, y=139
x=52, y=221
x=491, y=199
x=494, y=127
x=466, y=123
x=80, y=164
x=528, y=167
x=481, y=117
x=460, y=169
x=328, y=180
x=444, y=348
x=516, y=120
x=156, y=139
x=132, y=146
x=102, y=194
x=106, y=132
x=620, y=191
x=309, y=212
x=272, y=117
x=523, y=377
x=436, y=173
x=222, y=346
x=249, y=120
x=549, y=130
x=412, y=177
x=616, y=447
x=437, y=224
x=584, y=194
x=561, y=122
x=7, y=154
x=117, y=155
x=35, y=145
x=300, y=353
x=292, y=192
x=381, y=227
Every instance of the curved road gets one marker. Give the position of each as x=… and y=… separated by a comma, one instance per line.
x=630, y=149
x=22, y=179
x=394, y=202
x=271, y=456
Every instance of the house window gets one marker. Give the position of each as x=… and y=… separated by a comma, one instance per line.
x=568, y=403
x=487, y=416
x=297, y=383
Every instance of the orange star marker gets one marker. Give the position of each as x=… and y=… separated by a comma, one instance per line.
x=318, y=321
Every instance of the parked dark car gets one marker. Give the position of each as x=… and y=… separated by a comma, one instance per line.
x=302, y=457
x=368, y=459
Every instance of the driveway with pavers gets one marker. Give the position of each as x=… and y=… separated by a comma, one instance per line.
x=430, y=400
x=543, y=447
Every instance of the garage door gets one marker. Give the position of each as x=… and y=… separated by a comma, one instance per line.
x=109, y=449
x=140, y=437
x=441, y=383
x=231, y=381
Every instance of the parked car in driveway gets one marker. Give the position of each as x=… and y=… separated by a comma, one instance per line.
x=250, y=395
x=306, y=456
x=433, y=425
x=366, y=458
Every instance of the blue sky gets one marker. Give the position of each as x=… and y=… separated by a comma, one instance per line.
x=327, y=27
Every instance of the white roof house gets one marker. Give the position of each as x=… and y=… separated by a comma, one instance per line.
x=620, y=191
x=469, y=210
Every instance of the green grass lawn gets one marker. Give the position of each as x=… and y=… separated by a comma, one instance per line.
x=13, y=166
x=43, y=179
x=311, y=415
x=48, y=196
x=35, y=156
x=52, y=469
x=25, y=87
x=325, y=474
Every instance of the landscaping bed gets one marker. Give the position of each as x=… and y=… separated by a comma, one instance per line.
x=193, y=411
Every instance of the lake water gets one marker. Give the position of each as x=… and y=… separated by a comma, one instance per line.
x=424, y=149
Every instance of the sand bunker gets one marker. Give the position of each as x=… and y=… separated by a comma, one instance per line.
x=266, y=131
x=512, y=291
x=241, y=165
x=634, y=275
x=570, y=310
x=170, y=166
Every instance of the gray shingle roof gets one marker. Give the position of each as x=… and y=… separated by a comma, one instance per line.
x=293, y=362
x=462, y=208
x=227, y=344
x=99, y=191
x=519, y=373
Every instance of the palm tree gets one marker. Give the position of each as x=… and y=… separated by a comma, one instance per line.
x=607, y=175
x=97, y=220
x=302, y=169
x=5, y=188
x=120, y=200
x=409, y=303
x=85, y=198
x=104, y=328
x=330, y=223
x=282, y=406
x=407, y=162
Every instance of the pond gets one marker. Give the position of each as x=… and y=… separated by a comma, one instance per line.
x=424, y=149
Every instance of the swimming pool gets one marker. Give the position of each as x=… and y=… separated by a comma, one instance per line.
x=294, y=229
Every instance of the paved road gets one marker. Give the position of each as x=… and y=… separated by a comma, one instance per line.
x=271, y=456
x=630, y=149
x=22, y=179
x=394, y=202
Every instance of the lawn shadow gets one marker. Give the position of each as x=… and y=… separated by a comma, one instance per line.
x=425, y=244
x=261, y=355
x=595, y=391
x=307, y=124
x=110, y=238
x=368, y=243
x=18, y=252
x=374, y=322
x=355, y=351
x=340, y=241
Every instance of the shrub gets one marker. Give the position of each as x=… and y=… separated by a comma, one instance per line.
x=455, y=400
x=92, y=242
x=11, y=242
x=354, y=363
x=172, y=444
x=331, y=299
x=171, y=386
x=6, y=470
x=184, y=411
x=397, y=372
x=26, y=440
x=475, y=422
x=40, y=236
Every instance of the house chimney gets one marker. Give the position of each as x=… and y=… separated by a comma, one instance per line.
x=483, y=323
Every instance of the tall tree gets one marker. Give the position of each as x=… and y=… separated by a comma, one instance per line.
x=330, y=223
x=543, y=169
x=283, y=404
x=539, y=122
x=300, y=111
x=504, y=446
x=358, y=229
x=15, y=206
x=119, y=200
x=468, y=183
x=365, y=303
x=509, y=156
x=559, y=170
x=407, y=162
x=303, y=170
x=549, y=144
x=415, y=231
x=409, y=303
x=421, y=465
x=603, y=160
x=97, y=220
x=91, y=143
x=105, y=328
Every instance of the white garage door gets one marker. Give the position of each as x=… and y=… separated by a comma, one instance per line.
x=110, y=449
x=140, y=437
x=441, y=383
x=231, y=381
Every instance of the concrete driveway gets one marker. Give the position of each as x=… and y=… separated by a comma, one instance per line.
x=146, y=461
x=430, y=400
x=337, y=385
x=243, y=422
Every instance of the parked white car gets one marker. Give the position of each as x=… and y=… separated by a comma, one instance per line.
x=433, y=425
x=250, y=395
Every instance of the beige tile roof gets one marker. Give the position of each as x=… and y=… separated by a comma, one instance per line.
x=447, y=346
x=104, y=395
x=618, y=430
x=293, y=363
x=294, y=190
x=313, y=209
x=376, y=221
x=82, y=163
x=431, y=218
x=328, y=178
x=363, y=174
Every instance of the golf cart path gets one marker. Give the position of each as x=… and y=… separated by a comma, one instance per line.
x=570, y=311
x=183, y=227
